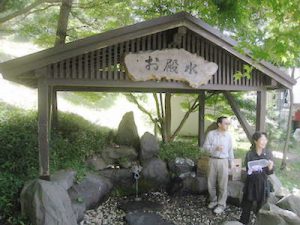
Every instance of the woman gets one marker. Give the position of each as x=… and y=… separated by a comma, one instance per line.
x=256, y=186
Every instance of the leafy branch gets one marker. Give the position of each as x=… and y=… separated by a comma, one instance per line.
x=246, y=73
x=25, y=10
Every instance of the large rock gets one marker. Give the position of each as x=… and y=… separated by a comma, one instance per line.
x=64, y=178
x=290, y=202
x=121, y=155
x=282, y=192
x=47, y=203
x=175, y=186
x=275, y=182
x=155, y=173
x=119, y=177
x=79, y=209
x=149, y=146
x=96, y=163
x=235, y=192
x=127, y=133
x=91, y=190
x=194, y=185
x=180, y=166
x=232, y=223
x=273, y=199
x=271, y=214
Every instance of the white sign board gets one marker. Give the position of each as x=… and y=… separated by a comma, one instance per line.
x=175, y=64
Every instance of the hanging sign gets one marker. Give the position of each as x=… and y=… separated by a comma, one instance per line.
x=171, y=64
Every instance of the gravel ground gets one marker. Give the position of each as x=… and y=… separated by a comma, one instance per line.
x=183, y=210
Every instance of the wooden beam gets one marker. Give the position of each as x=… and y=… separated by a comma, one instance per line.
x=43, y=128
x=261, y=108
x=160, y=86
x=236, y=109
x=201, y=133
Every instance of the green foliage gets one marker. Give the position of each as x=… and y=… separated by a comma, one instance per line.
x=9, y=6
x=18, y=156
x=246, y=73
x=266, y=30
x=175, y=149
x=18, y=141
x=72, y=142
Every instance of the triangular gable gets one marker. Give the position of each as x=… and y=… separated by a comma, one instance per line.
x=25, y=66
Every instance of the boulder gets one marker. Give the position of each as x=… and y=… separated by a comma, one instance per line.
x=47, y=203
x=265, y=217
x=282, y=192
x=232, y=223
x=291, y=203
x=296, y=192
x=96, y=163
x=121, y=155
x=127, y=133
x=187, y=185
x=91, y=190
x=155, y=173
x=180, y=166
x=175, y=186
x=119, y=177
x=273, y=199
x=149, y=146
x=235, y=192
x=275, y=182
x=194, y=185
x=271, y=214
x=64, y=178
x=79, y=209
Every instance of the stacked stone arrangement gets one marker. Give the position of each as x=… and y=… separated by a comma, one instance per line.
x=176, y=186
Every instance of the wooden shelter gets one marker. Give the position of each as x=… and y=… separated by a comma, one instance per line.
x=95, y=64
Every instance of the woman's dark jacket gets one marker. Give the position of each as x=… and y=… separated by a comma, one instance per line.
x=256, y=185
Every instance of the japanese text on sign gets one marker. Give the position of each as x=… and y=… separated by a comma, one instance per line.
x=175, y=64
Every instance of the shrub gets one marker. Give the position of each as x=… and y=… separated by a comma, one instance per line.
x=175, y=149
x=71, y=143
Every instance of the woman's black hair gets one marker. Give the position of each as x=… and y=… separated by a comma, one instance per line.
x=257, y=135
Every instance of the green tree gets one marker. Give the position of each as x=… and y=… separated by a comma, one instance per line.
x=266, y=29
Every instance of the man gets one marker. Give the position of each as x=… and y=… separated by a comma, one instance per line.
x=219, y=145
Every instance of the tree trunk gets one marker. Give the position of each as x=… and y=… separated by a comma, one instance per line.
x=62, y=24
x=168, y=116
x=159, y=116
x=289, y=128
x=163, y=119
x=61, y=33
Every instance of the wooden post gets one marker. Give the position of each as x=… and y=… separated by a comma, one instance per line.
x=50, y=109
x=168, y=115
x=54, y=114
x=43, y=128
x=201, y=135
x=261, y=108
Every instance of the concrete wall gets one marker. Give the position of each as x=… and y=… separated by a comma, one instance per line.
x=190, y=127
